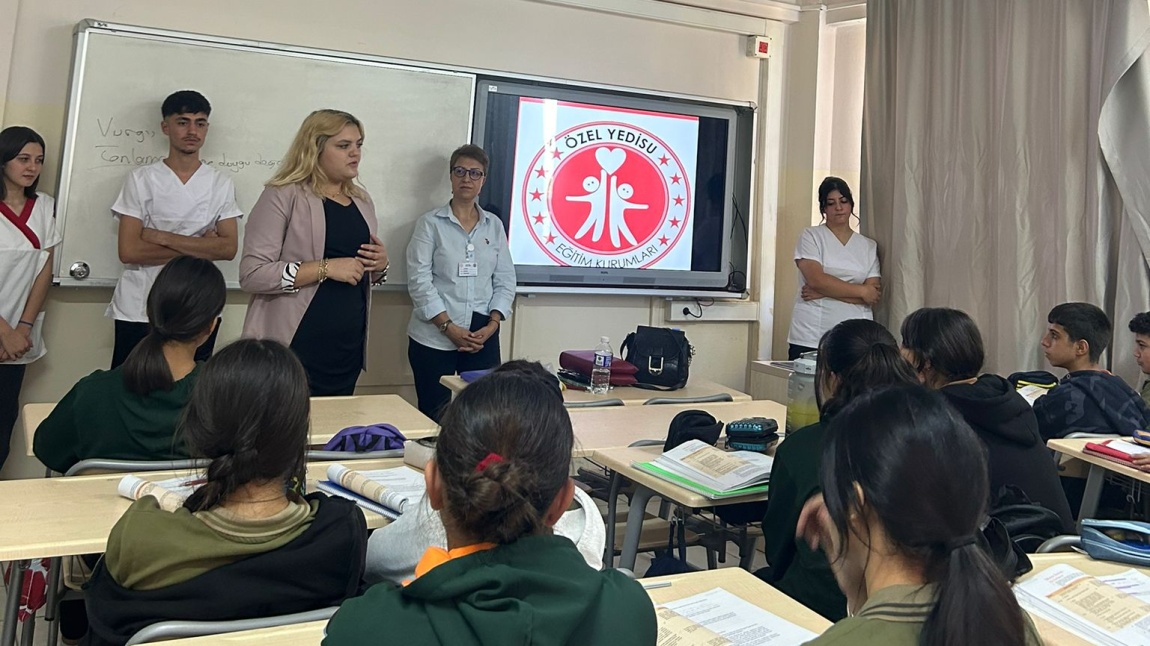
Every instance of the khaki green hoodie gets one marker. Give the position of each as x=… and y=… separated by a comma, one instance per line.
x=537, y=590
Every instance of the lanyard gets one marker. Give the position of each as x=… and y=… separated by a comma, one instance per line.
x=21, y=221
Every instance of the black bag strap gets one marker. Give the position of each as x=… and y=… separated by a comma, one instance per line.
x=625, y=347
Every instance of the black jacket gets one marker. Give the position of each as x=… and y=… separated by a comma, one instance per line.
x=319, y=569
x=1091, y=401
x=1016, y=454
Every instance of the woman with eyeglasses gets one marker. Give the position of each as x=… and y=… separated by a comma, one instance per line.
x=462, y=283
x=311, y=254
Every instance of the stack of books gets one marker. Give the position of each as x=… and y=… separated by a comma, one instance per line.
x=712, y=472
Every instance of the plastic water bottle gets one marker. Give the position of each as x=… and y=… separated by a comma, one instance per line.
x=601, y=371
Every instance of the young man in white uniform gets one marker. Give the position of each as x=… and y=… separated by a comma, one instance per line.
x=176, y=206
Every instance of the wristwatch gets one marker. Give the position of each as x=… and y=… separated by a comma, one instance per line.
x=443, y=328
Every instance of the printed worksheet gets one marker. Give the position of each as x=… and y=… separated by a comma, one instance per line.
x=739, y=622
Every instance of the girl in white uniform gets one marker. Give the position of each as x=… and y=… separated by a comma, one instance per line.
x=838, y=271
x=27, y=238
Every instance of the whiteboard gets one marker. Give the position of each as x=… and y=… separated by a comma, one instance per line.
x=413, y=118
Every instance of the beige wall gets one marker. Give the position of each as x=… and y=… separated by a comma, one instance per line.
x=520, y=36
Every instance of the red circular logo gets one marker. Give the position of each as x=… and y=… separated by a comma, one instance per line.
x=606, y=194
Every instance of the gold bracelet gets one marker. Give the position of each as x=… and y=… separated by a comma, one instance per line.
x=322, y=270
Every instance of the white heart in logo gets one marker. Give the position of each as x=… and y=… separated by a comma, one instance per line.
x=610, y=158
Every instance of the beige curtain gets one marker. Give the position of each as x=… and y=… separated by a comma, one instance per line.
x=1006, y=163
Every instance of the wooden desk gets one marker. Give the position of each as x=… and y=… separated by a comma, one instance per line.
x=616, y=426
x=631, y=396
x=619, y=461
x=1052, y=634
x=48, y=517
x=329, y=415
x=734, y=580
x=1098, y=467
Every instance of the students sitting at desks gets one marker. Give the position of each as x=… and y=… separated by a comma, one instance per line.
x=394, y=550
x=244, y=544
x=855, y=356
x=131, y=412
x=1089, y=399
x=1140, y=326
x=499, y=480
x=904, y=491
x=945, y=348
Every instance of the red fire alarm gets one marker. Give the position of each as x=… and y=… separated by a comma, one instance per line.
x=759, y=46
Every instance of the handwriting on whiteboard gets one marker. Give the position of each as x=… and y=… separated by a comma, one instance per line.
x=119, y=148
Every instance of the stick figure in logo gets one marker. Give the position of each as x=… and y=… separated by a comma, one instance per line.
x=618, y=197
x=597, y=197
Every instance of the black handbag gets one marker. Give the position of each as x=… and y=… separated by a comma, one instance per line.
x=662, y=355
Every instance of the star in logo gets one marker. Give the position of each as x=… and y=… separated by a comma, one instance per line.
x=675, y=222
x=675, y=179
x=539, y=218
x=555, y=154
x=663, y=160
x=550, y=239
x=663, y=240
x=535, y=195
x=539, y=172
x=678, y=201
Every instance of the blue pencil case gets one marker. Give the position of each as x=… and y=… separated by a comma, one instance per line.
x=1142, y=437
x=1122, y=541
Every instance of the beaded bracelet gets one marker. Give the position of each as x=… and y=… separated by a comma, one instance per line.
x=322, y=270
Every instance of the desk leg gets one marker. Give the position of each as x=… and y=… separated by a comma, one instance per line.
x=12, y=608
x=1092, y=494
x=634, y=526
x=28, y=631
x=612, y=510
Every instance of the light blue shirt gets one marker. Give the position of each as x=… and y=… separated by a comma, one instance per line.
x=438, y=246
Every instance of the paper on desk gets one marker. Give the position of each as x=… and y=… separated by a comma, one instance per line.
x=1032, y=393
x=740, y=622
x=677, y=630
x=170, y=494
x=1087, y=606
x=1132, y=582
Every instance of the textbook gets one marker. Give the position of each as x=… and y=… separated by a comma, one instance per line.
x=170, y=493
x=719, y=618
x=1116, y=450
x=1108, y=610
x=712, y=472
x=384, y=491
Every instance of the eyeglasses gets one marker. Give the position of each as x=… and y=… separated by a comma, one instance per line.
x=473, y=173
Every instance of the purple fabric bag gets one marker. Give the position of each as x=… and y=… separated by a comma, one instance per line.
x=362, y=439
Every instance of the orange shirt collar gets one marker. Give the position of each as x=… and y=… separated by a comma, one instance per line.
x=436, y=556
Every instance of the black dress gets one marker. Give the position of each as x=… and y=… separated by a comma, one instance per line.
x=330, y=339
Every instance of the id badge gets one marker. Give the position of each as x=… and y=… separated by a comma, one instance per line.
x=468, y=268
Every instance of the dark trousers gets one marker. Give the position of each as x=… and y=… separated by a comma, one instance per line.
x=429, y=364
x=11, y=378
x=129, y=334
x=793, y=351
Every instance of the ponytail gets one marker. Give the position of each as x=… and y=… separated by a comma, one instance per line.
x=146, y=369
x=975, y=605
x=183, y=304
x=863, y=356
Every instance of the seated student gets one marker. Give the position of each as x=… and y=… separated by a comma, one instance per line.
x=394, y=550
x=131, y=412
x=499, y=481
x=854, y=357
x=244, y=544
x=945, y=348
x=904, y=491
x=1089, y=399
x=1140, y=326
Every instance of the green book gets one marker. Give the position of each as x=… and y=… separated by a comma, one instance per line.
x=713, y=494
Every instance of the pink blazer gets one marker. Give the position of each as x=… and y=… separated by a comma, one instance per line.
x=286, y=225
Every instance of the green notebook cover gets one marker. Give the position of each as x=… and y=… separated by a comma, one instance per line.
x=675, y=478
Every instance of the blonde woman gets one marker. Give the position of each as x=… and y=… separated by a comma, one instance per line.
x=311, y=254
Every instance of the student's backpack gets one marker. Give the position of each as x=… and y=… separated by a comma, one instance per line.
x=362, y=439
x=692, y=425
x=1028, y=523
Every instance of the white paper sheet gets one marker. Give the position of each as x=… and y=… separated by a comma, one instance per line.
x=741, y=622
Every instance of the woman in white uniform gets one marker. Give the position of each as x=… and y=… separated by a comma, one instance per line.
x=27, y=237
x=838, y=271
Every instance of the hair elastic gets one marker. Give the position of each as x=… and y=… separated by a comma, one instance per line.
x=491, y=459
x=960, y=543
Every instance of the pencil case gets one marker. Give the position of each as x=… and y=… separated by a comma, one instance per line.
x=1122, y=541
x=1141, y=437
